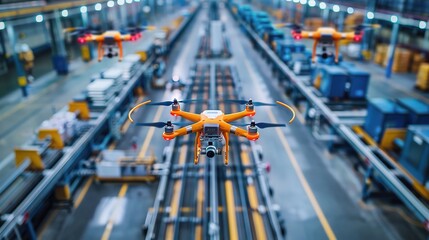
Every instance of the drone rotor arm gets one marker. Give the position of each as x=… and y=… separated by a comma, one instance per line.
x=239, y=115
x=193, y=117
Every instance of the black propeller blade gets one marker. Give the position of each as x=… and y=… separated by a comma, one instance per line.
x=162, y=124
x=262, y=125
x=250, y=102
x=175, y=101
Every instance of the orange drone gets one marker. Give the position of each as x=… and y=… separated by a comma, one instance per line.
x=108, y=40
x=327, y=36
x=212, y=127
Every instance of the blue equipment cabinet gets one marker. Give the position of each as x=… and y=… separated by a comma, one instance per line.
x=415, y=154
x=383, y=114
x=333, y=81
x=359, y=81
x=418, y=110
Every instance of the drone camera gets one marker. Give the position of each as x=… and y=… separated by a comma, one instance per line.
x=211, y=151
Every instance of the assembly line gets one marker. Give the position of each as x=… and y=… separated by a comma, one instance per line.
x=216, y=121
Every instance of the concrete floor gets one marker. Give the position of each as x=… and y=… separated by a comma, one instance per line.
x=316, y=191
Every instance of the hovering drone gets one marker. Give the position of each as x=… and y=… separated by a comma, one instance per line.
x=327, y=36
x=109, y=40
x=212, y=127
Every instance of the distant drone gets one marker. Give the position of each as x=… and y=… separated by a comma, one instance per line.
x=108, y=40
x=327, y=36
x=212, y=126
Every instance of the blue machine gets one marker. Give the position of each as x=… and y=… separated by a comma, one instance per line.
x=275, y=35
x=263, y=28
x=287, y=47
x=383, y=114
x=333, y=81
x=358, y=82
x=260, y=21
x=245, y=11
x=418, y=110
x=415, y=154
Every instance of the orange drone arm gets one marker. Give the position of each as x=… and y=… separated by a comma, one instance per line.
x=196, y=127
x=343, y=35
x=126, y=37
x=307, y=34
x=235, y=116
x=228, y=128
x=96, y=38
x=186, y=115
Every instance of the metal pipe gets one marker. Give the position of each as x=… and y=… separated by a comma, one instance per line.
x=16, y=173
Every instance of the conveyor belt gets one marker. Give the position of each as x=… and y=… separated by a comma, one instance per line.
x=341, y=125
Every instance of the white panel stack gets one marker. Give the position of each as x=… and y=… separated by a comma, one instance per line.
x=129, y=66
x=216, y=41
x=100, y=91
x=65, y=122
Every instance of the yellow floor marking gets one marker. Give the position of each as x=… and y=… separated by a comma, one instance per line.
x=109, y=226
x=253, y=201
x=176, y=195
x=230, y=205
x=149, y=134
x=325, y=224
x=124, y=188
x=83, y=192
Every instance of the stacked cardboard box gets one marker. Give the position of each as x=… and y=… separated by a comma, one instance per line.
x=418, y=59
x=313, y=24
x=401, y=60
x=354, y=19
x=380, y=53
x=422, y=82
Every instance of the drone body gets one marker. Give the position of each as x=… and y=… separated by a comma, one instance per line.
x=327, y=36
x=212, y=127
x=109, y=40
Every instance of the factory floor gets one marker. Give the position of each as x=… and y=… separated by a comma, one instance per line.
x=20, y=117
x=318, y=192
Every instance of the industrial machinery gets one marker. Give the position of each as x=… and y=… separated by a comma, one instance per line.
x=211, y=125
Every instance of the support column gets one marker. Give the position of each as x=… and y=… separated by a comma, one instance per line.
x=59, y=57
x=392, y=47
x=22, y=78
x=340, y=22
x=325, y=16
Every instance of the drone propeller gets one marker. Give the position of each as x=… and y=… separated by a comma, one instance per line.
x=162, y=124
x=80, y=31
x=293, y=26
x=175, y=101
x=262, y=125
x=164, y=103
x=277, y=103
x=250, y=102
